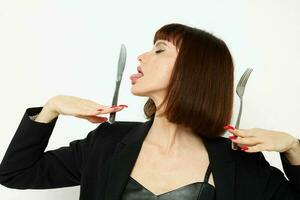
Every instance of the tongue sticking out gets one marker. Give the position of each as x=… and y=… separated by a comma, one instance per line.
x=136, y=76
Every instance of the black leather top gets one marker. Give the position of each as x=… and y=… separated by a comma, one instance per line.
x=193, y=191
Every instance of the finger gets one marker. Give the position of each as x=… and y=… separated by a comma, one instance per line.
x=242, y=146
x=96, y=119
x=96, y=106
x=84, y=110
x=105, y=110
x=109, y=110
x=255, y=148
x=244, y=141
x=91, y=111
x=241, y=132
x=92, y=117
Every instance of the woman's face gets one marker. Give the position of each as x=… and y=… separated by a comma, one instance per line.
x=156, y=65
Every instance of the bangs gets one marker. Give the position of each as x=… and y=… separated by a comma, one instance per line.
x=172, y=33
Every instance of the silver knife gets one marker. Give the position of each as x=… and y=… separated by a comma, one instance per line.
x=121, y=66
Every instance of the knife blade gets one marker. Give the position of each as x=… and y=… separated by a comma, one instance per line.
x=121, y=66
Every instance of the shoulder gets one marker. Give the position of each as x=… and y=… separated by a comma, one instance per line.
x=244, y=158
x=247, y=164
x=111, y=133
x=254, y=171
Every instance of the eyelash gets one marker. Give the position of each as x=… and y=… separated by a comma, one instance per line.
x=158, y=51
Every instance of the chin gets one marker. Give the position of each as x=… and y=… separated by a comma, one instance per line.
x=139, y=91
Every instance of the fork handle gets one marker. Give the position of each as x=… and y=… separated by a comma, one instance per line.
x=237, y=124
x=234, y=146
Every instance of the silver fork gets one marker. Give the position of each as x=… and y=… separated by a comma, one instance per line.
x=240, y=89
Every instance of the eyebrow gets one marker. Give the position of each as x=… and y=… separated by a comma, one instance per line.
x=161, y=42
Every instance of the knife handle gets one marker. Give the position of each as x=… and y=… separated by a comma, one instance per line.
x=112, y=115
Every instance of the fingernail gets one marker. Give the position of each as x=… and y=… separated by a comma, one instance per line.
x=123, y=105
x=100, y=109
x=119, y=106
x=244, y=148
x=228, y=127
x=232, y=137
x=104, y=119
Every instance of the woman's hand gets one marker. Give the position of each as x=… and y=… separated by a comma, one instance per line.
x=81, y=108
x=257, y=139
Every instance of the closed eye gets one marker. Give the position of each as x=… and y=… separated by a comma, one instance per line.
x=159, y=51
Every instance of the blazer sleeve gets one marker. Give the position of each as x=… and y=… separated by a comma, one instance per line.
x=25, y=165
x=278, y=187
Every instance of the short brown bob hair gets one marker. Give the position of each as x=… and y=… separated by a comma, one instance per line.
x=200, y=93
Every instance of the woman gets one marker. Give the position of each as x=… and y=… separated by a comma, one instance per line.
x=179, y=153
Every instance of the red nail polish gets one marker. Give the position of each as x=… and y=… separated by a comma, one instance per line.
x=100, y=109
x=232, y=137
x=124, y=105
x=244, y=148
x=228, y=127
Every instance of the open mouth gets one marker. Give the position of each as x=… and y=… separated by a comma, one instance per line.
x=136, y=76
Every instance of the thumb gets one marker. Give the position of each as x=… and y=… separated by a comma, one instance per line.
x=96, y=119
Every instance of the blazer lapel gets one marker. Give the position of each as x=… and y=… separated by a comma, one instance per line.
x=223, y=165
x=123, y=160
x=127, y=151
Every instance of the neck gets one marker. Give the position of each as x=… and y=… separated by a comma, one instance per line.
x=170, y=137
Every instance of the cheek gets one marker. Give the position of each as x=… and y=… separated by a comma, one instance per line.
x=160, y=71
x=161, y=75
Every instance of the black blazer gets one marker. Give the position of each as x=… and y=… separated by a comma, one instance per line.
x=102, y=162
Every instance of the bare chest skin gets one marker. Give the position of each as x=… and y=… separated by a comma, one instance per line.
x=160, y=172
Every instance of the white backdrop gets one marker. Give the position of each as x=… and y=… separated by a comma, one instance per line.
x=55, y=47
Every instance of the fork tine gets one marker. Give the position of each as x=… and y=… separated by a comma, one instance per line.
x=247, y=77
x=242, y=78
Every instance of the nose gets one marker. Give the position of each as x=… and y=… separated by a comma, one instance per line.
x=141, y=58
